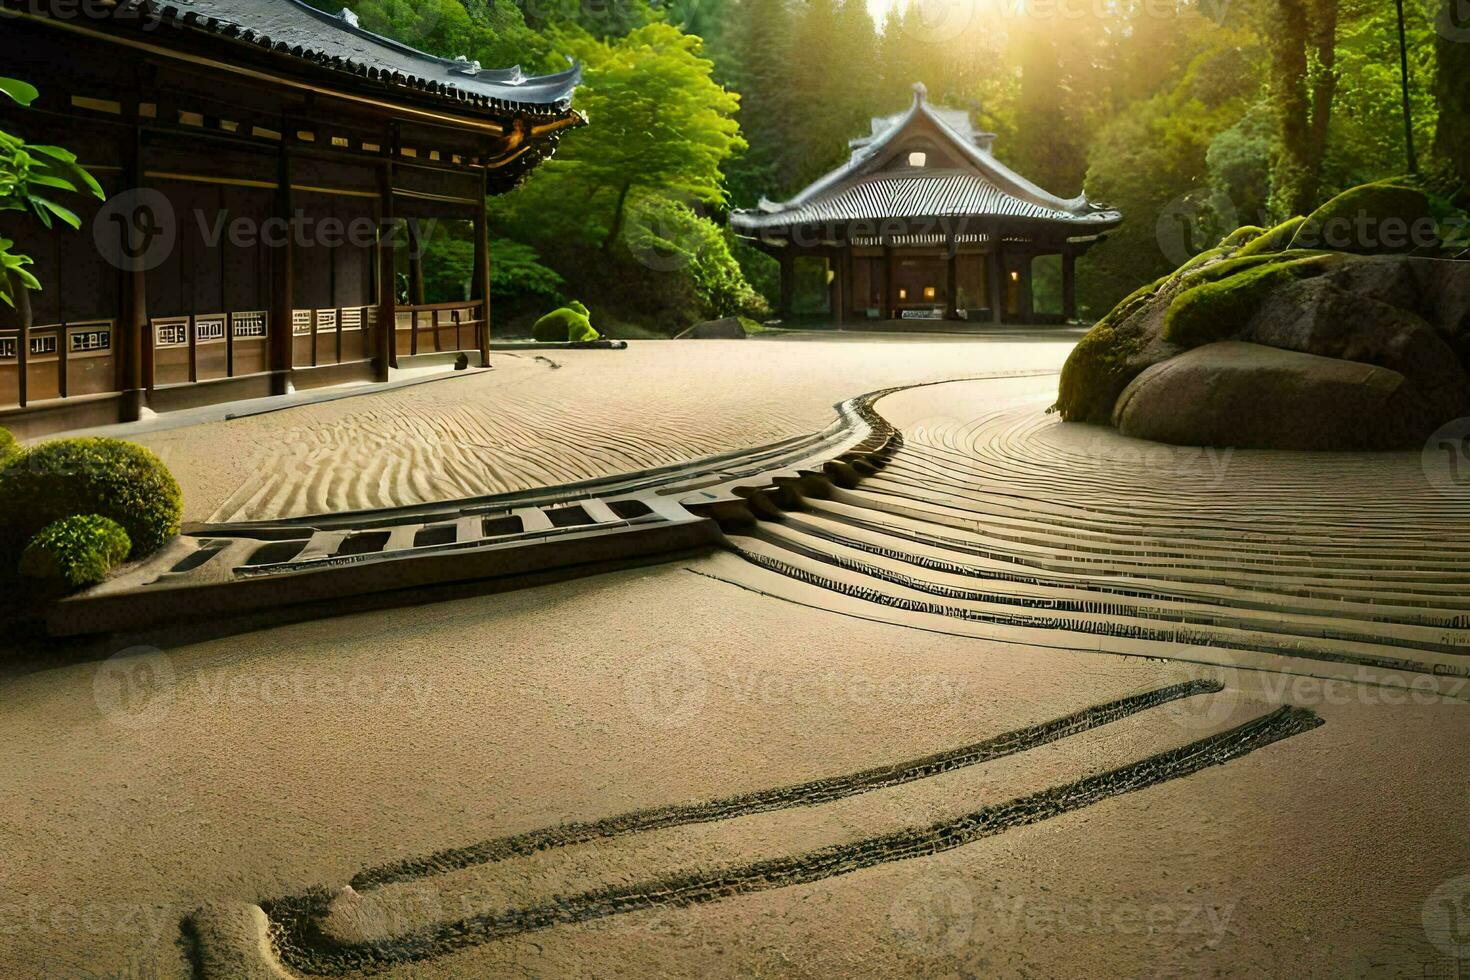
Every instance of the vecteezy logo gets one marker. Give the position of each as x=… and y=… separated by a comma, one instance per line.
x=134, y=687
x=1447, y=918
x=1188, y=225
x=937, y=21
x=663, y=230
x=666, y=688
x=933, y=915
x=1446, y=459
x=135, y=230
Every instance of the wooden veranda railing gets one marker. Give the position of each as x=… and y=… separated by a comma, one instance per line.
x=431, y=327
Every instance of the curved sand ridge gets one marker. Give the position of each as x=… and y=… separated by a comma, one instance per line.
x=545, y=420
x=1005, y=518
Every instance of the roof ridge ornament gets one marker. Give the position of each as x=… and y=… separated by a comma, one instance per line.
x=346, y=16
x=921, y=93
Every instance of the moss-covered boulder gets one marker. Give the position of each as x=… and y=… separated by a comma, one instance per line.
x=1406, y=314
x=108, y=477
x=75, y=551
x=568, y=323
x=1383, y=218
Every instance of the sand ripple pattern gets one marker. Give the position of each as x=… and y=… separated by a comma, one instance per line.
x=1006, y=516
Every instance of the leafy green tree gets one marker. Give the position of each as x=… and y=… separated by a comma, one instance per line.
x=660, y=123
x=31, y=178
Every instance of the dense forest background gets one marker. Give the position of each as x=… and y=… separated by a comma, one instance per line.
x=1191, y=116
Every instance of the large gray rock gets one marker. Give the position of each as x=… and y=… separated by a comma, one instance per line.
x=1252, y=396
x=1408, y=314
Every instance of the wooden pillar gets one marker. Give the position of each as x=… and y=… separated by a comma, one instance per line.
x=835, y=287
x=480, y=283
x=134, y=375
x=1027, y=304
x=1069, y=285
x=788, y=282
x=283, y=286
x=951, y=311
x=849, y=303
x=23, y=336
x=387, y=339
x=888, y=311
x=415, y=282
x=996, y=281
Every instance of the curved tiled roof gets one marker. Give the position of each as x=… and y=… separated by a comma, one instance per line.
x=987, y=188
x=297, y=29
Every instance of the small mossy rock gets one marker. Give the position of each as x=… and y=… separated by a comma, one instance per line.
x=109, y=477
x=576, y=304
x=1276, y=239
x=1241, y=235
x=1252, y=396
x=76, y=551
x=1384, y=218
x=562, y=325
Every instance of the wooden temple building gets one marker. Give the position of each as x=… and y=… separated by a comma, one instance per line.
x=266, y=166
x=924, y=223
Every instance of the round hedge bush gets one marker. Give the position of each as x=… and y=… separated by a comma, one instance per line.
x=8, y=446
x=564, y=324
x=109, y=477
x=79, y=550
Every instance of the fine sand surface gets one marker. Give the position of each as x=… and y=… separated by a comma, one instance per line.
x=296, y=757
x=387, y=749
x=558, y=417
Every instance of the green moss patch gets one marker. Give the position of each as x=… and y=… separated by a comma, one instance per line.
x=76, y=551
x=1213, y=309
x=1241, y=236
x=569, y=323
x=1276, y=239
x=1384, y=218
x=1095, y=374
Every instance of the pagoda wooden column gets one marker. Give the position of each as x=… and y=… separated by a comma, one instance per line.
x=282, y=280
x=1027, y=303
x=387, y=339
x=133, y=321
x=848, y=303
x=951, y=309
x=1069, y=285
x=480, y=283
x=888, y=305
x=415, y=283
x=788, y=283
x=996, y=282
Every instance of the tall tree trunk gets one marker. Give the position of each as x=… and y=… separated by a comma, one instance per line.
x=617, y=219
x=1452, y=46
x=1303, y=43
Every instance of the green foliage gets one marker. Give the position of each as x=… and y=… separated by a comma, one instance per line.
x=8, y=446
x=1219, y=305
x=564, y=324
x=116, y=479
x=31, y=177
x=78, y=551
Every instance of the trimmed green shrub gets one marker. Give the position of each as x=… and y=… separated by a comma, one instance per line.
x=110, y=477
x=576, y=304
x=8, y=446
x=564, y=324
x=1371, y=219
x=1213, y=309
x=1274, y=240
x=79, y=550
